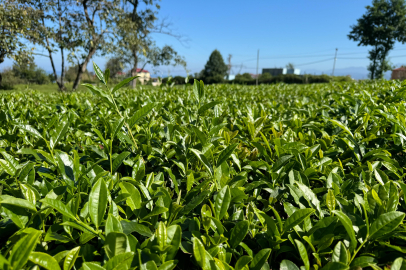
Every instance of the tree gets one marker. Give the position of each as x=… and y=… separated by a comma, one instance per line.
x=290, y=66
x=29, y=72
x=60, y=30
x=71, y=74
x=115, y=65
x=243, y=77
x=215, y=69
x=381, y=26
x=18, y=24
x=97, y=22
x=135, y=44
x=264, y=77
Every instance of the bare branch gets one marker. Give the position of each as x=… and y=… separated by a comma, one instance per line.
x=166, y=27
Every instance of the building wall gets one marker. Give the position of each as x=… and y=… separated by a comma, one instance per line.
x=398, y=75
x=274, y=71
x=144, y=77
x=293, y=71
x=280, y=71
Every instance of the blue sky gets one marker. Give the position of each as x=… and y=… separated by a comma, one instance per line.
x=297, y=31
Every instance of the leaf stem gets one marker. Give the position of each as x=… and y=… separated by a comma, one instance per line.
x=125, y=122
x=358, y=249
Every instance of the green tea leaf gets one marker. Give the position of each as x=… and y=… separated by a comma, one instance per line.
x=119, y=160
x=222, y=203
x=122, y=83
x=340, y=254
x=260, y=259
x=116, y=243
x=385, y=223
x=99, y=73
x=288, y=265
x=70, y=258
x=199, y=253
x=59, y=206
x=22, y=249
x=238, y=233
x=44, y=260
x=60, y=131
x=207, y=106
x=134, y=201
x=141, y=113
x=296, y=218
x=346, y=222
x=226, y=153
x=98, y=202
x=203, y=160
x=242, y=262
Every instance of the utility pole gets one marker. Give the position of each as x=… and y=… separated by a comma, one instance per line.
x=229, y=66
x=334, y=65
x=257, y=65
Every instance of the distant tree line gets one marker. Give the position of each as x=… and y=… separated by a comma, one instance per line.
x=246, y=79
x=215, y=71
x=24, y=73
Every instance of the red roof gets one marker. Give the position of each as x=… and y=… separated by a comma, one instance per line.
x=401, y=68
x=139, y=70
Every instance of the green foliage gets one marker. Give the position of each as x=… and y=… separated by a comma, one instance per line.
x=381, y=26
x=204, y=177
x=23, y=73
x=9, y=80
x=72, y=72
x=243, y=77
x=135, y=25
x=29, y=72
x=267, y=78
x=215, y=69
x=18, y=21
x=115, y=65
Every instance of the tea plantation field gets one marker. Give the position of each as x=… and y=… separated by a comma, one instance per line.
x=204, y=177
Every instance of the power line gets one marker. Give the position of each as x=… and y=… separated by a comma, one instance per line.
x=366, y=57
x=310, y=56
x=335, y=60
x=325, y=60
x=303, y=64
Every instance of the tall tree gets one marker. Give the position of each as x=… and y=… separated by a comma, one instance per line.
x=381, y=26
x=135, y=45
x=60, y=31
x=97, y=20
x=115, y=65
x=18, y=24
x=215, y=68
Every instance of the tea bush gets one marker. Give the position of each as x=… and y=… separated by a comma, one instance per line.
x=194, y=177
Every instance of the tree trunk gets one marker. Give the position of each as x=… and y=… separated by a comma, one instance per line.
x=60, y=84
x=373, y=70
x=134, y=70
x=63, y=70
x=1, y=61
x=82, y=68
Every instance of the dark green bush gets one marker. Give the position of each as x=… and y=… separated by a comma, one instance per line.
x=289, y=79
x=9, y=80
x=178, y=80
x=29, y=73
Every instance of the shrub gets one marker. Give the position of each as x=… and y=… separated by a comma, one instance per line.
x=30, y=73
x=9, y=80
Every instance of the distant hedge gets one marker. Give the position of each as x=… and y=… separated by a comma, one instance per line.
x=289, y=79
x=292, y=78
